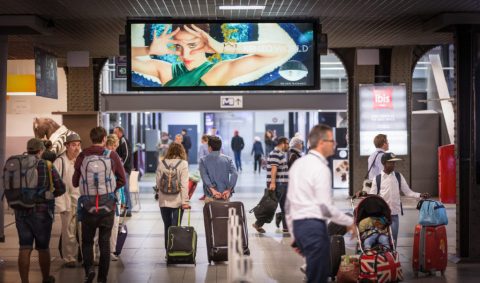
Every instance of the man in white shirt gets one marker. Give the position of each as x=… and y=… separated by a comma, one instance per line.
x=375, y=165
x=66, y=204
x=389, y=189
x=309, y=204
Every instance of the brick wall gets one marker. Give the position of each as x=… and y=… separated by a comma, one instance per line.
x=80, y=89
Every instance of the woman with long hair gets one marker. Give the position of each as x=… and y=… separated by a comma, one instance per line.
x=175, y=167
x=192, y=42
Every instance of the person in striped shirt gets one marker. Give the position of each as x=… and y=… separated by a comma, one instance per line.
x=277, y=178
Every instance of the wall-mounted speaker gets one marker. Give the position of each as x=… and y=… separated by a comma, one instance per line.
x=368, y=57
x=322, y=44
x=78, y=59
x=122, y=45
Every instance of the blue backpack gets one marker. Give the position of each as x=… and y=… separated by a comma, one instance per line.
x=432, y=213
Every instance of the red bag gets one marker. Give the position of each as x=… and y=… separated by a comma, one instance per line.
x=191, y=188
x=380, y=266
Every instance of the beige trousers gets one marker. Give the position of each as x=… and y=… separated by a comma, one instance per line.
x=69, y=230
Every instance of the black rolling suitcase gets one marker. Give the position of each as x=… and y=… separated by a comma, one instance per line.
x=182, y=243
x=337, y=249
x=215, y=215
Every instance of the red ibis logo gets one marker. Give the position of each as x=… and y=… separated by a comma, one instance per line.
x=382, y=98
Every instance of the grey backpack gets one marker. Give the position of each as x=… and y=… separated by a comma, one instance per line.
x=20, y=180
x=170, y=181
x=97, y=184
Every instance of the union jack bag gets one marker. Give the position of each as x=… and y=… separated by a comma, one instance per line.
x=380, y=266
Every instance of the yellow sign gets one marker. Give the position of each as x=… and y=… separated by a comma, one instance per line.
x=21, y=84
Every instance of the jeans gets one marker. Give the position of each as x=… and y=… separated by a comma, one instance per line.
x=312, y=238
x=127, y=192
x=281, y=194
x=90, y=223
x=170, y=218
x=395, y=224
x=258, y=160
x=33, y=226
x=376, y=239
x=238, y=160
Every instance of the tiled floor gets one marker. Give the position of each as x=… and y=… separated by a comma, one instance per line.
x=142, y=259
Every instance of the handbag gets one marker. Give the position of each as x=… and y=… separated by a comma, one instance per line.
x=265, y=209
x=380, y=265
x=432, y=213
x=349, y=269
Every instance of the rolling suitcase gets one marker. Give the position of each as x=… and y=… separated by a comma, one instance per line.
x=215, y=216
x=429, y=249
x=337, y=249
x=122, y=235
x=182, y=243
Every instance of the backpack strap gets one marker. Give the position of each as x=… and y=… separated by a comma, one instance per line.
x=378, y=180
x=63, y=165
x=373, y=163
x=49, y=172
x=178, y=163
x=399, y=179
x=165, y=164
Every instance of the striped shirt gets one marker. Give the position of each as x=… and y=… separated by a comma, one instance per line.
x=277, y=158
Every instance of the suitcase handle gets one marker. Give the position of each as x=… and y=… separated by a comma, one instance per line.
x=180, y=213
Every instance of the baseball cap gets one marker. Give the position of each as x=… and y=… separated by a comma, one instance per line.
x=35, y=144
x=389, y=156
x=72, y=138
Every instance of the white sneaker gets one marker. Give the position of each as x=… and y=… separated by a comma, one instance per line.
x=303, y=268
x=113, y=257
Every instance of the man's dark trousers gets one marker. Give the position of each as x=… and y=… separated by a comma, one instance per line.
x=312, y=238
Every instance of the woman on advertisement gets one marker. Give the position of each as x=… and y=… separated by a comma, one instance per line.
x=192, y=43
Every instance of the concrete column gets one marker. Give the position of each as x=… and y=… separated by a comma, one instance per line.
x=467, y=66
x=3, y=118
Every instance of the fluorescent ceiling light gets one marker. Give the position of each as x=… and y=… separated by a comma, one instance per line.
x=239, y=7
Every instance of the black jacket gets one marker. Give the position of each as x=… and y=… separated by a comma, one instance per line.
x=125, y=152
x=187, y=142
x=293, y=155
x=237, y=143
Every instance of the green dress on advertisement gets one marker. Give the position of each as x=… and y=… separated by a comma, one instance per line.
x=181, y=76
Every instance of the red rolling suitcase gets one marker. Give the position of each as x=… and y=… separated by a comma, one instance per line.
x=430, y=249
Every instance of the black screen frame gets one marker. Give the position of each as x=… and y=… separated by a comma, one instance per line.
x=167, y=90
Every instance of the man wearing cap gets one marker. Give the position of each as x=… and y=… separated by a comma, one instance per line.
x=388, y=184
x=35, y=224
x=66, y=205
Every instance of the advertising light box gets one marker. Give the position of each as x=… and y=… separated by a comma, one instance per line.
x=166, y=54
x=383, y=110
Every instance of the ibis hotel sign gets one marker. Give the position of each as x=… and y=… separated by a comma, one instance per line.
x=383, y=110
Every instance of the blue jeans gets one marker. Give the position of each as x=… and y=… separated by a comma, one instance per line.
x=33, y=226
x=376, y=239
x=170, y=218
x=395, y=224
x=238, y=160
x=312, y=238
x=127, y=193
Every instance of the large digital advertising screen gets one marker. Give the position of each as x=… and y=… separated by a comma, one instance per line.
x=383, y=110
x=221, y=55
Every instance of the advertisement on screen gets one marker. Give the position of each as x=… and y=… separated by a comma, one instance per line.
x=209, y=55
x=383, y=110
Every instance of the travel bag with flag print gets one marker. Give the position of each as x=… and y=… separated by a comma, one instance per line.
x=380, y=265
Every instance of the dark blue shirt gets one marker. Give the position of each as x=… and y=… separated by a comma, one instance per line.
x=257, y=148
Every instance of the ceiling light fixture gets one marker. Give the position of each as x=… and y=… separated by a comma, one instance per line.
x=239, y=7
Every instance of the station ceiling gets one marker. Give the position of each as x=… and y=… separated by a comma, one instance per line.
x=95, y=25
